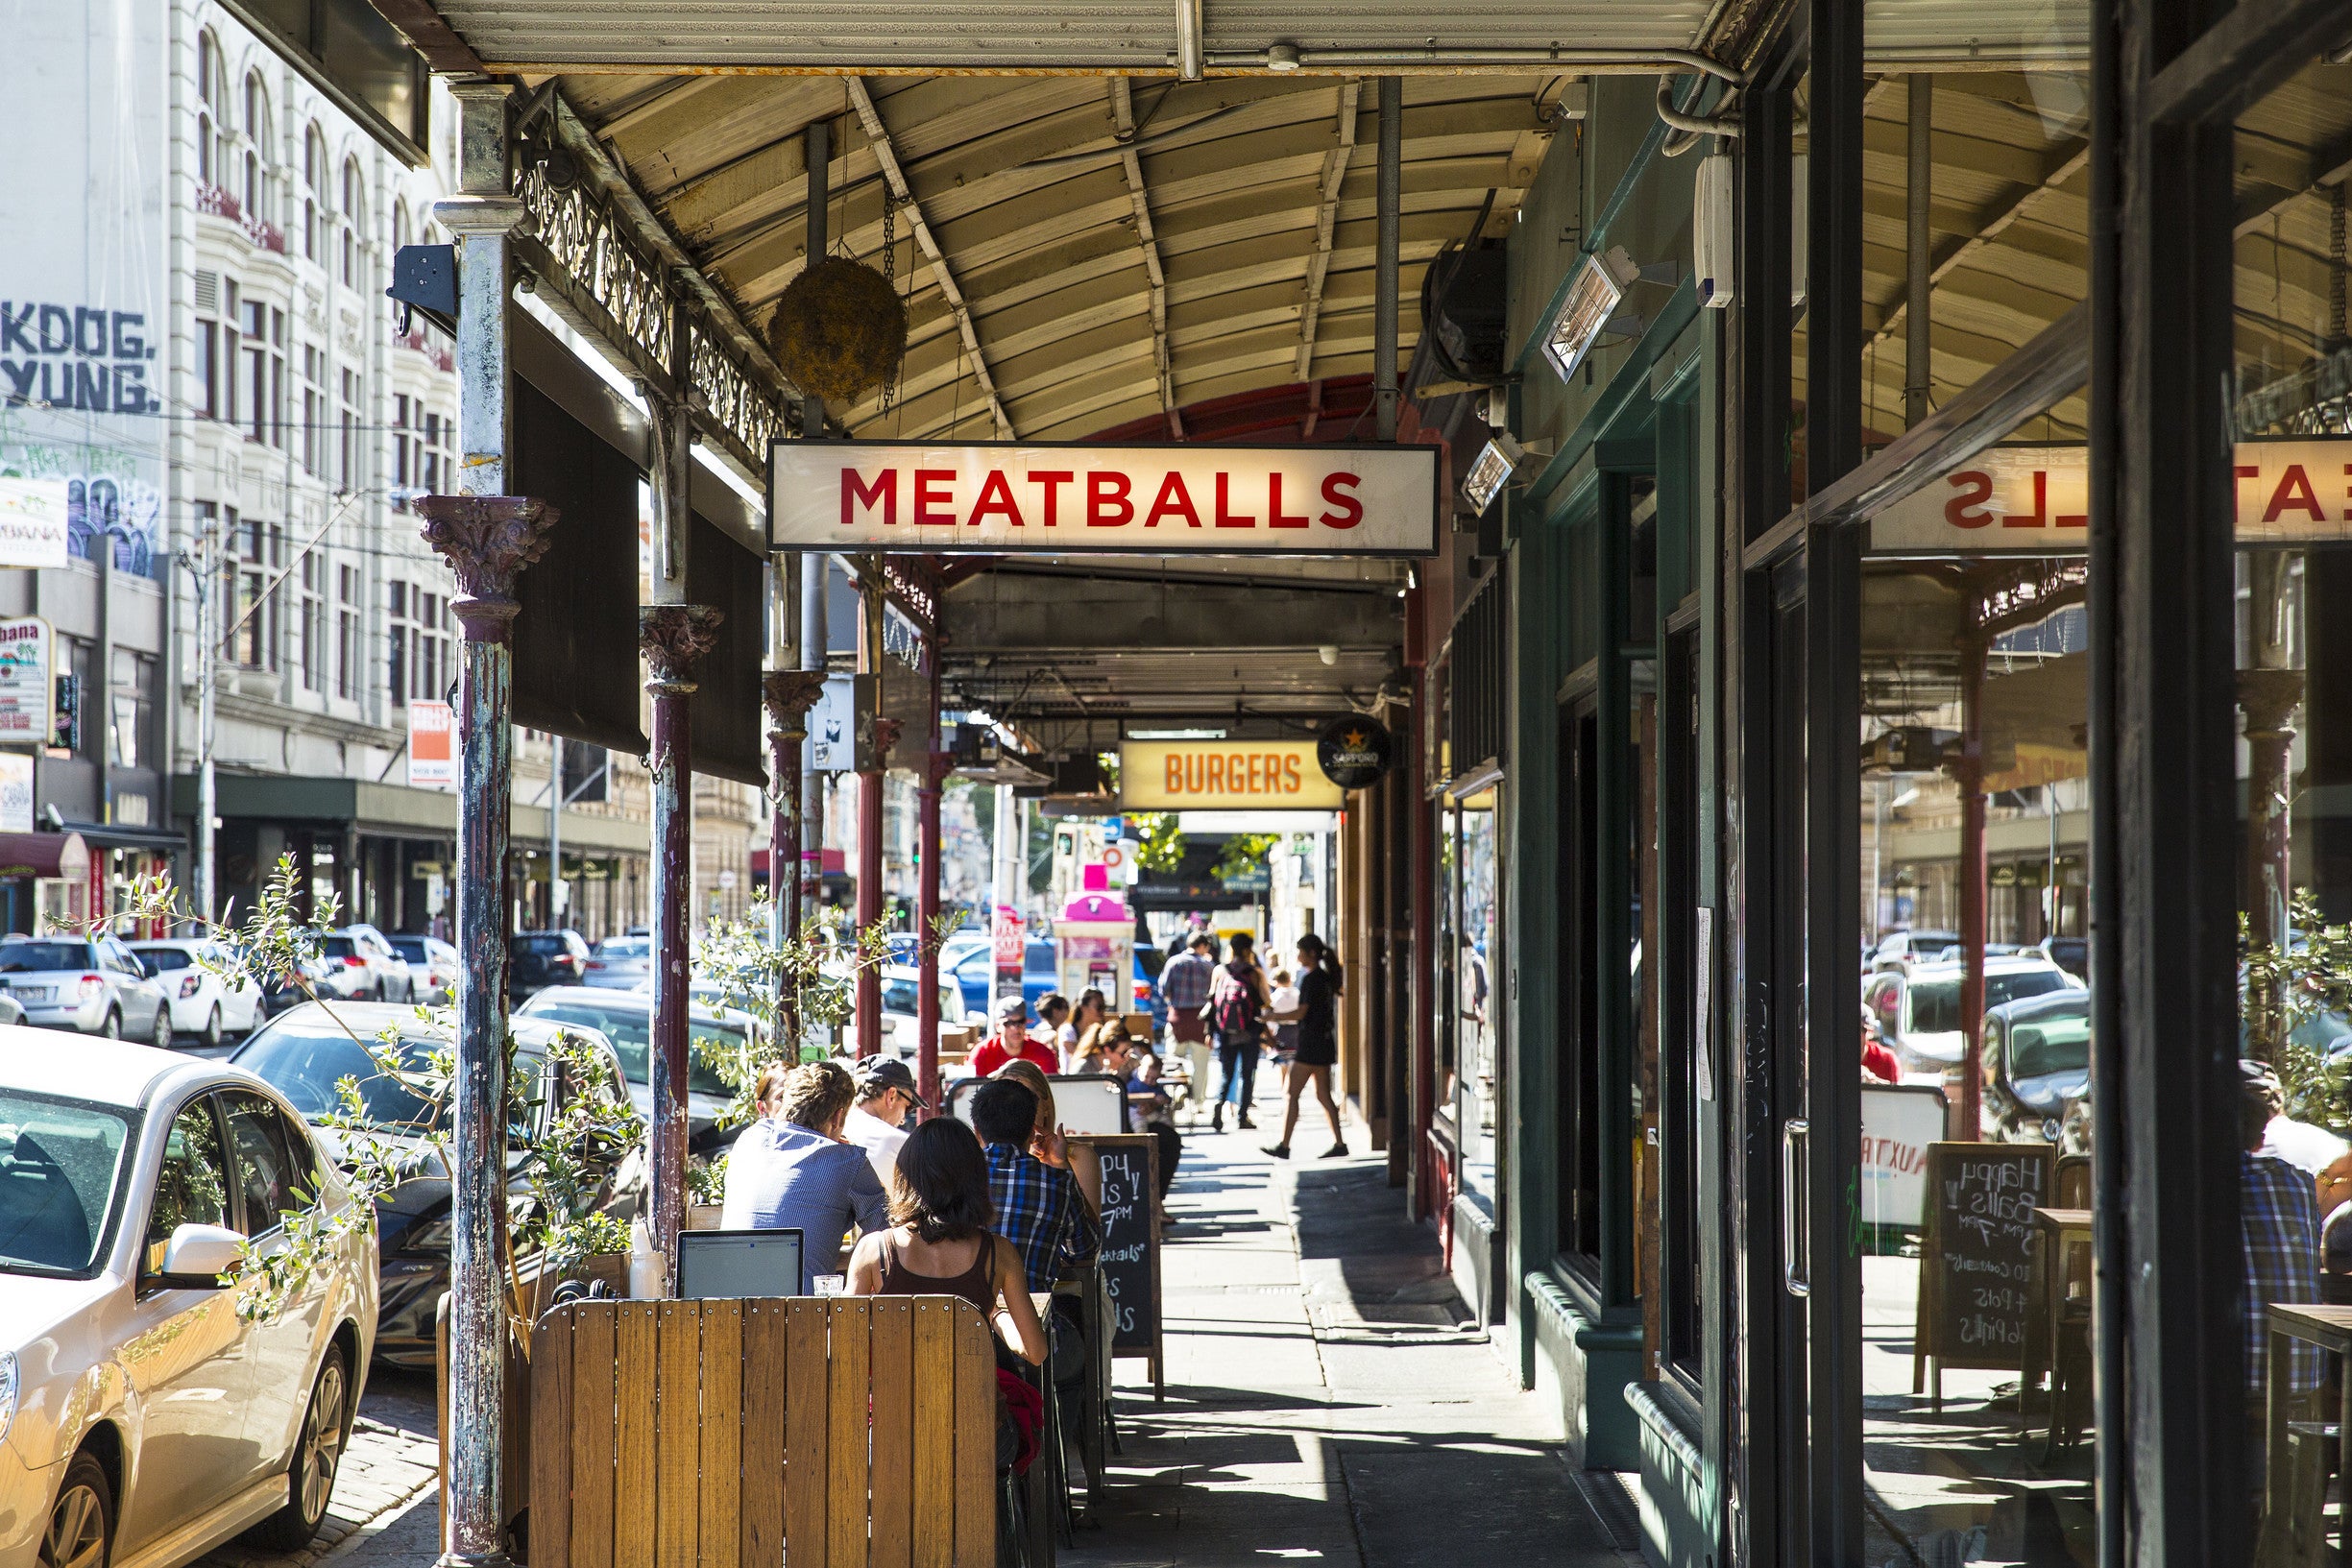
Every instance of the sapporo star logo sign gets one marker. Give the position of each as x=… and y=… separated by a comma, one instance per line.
x=1354, y=740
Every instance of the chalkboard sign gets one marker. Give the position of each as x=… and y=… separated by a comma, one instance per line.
x=1121, y=1173
x=1975, y=1265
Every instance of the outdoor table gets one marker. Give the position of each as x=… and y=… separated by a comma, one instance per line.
x=2330, y=1328
x=2046, y=1313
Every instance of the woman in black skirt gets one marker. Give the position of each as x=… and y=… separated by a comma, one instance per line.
x=1320, y=982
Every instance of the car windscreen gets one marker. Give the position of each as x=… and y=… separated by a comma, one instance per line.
x=2050, y=1044
x=630, y=1029
x=304, y=1061
x=541, y=944
x=32, y=957
x=1935, y=1004
x=625, y=947
x=335, y=947
x=160, y=961
x=60, y=1166
x=412, y=948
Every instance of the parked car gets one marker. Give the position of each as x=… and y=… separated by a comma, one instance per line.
x=66, y=982
x=1041, y=971
x=622, y=963
x=362, y=965
x=1898, y=949
x=147, y=1421
x=901, y=990
x=2037, y=1065
x=625, y=1018
x=974, y=970
x=1919, y=1011
x=310, y=979
x=304, y=1055
x=432, y=967
x=1149, y=962
x=2071, y=953
x=201, y=1005
x=542, y=958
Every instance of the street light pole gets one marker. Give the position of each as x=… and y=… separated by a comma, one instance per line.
x=204, y=565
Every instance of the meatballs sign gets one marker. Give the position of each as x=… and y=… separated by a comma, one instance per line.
x=1005, y=498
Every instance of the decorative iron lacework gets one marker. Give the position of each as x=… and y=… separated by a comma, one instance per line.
x=729, y=396
x=2026, y=598
x=916, y=596
x=583, y=237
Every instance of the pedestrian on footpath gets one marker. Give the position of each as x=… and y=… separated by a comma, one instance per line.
x=1321, y=983
x=1185, y=985
x=1237, y=1007
x=1093, y=1010
x=1011, y=1042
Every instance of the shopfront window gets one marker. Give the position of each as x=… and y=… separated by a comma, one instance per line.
x=2291, y=425
x=1478, y=1002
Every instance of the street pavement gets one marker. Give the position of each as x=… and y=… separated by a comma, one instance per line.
x=1325, y=1404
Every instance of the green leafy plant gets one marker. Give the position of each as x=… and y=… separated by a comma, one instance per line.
x=1159, y=841
x=561, y=1156
x=2294, y=997
x=815, y=972
x=1243, y=853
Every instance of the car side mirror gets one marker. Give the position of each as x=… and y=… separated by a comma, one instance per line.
x=197, y=1256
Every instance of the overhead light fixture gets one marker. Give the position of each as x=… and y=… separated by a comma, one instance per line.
x=1175, y=734
x=1282, y=57
x=1491, y=471
x=1587, y=308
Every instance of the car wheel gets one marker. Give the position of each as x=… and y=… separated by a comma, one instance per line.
x=211, y=1035
x=112, y=1027
x=310, y=1474
x=162, y=1040
x=80, y=1530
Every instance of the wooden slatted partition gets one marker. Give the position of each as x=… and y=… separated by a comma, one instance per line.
x=818, y=1431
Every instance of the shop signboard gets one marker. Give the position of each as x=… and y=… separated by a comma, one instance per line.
x=433, y=746
x=1012, y=498
x=832, y=726
x=1898, y=1122
x=1225, y=775
x=2036, y=500
x=15, y=792
x=33, y=515
x=1354, y=752
x=26, y=690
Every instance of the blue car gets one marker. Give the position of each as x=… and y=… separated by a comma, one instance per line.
x=975, y=973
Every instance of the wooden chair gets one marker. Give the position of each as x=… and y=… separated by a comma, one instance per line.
x=849, y=1432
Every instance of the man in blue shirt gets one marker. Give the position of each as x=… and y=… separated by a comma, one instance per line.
x=792, y=1171
x=1038, y=1207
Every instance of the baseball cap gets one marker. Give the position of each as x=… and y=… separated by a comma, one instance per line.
x=1010, y=1008
x=878, y=1074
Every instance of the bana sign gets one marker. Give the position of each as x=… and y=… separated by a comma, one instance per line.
x=1005, y=498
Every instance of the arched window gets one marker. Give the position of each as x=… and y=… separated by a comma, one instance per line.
x=314, y=184
x=209, y=105
x=257, y=147
x=354, y=221
x=400, y=222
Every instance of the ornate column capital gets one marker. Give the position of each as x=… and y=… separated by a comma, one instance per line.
x=2268, y=698
x=674, y=637
x=936, y=766
x=789, y=695
x=487, y=540
x=883, y=738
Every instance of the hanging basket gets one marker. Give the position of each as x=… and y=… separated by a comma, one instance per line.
x=839, y=330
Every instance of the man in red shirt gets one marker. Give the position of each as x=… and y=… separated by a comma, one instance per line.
x=1011, y=1041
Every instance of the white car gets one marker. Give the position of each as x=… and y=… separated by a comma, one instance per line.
x=201, y=1004
x=1919, y=1011
x=143, y=1421
x=901, y=1031
x=432, y=967
x=362, y=965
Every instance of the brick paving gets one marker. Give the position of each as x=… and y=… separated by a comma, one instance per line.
x=387, y=1474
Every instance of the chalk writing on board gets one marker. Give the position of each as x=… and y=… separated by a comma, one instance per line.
x=1127, y=1244
x=1977, y=1266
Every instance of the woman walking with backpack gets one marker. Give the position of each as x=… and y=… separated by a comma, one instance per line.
x=1237, y=1011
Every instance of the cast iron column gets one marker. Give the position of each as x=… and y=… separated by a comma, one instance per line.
x=935, y=769
x=486, y=540
x=789, y=694
x=1388, y=190
x=885, y=737
x=1969, y=772
x=674, y=637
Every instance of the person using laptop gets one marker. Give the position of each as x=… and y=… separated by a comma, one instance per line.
x=791, y=1170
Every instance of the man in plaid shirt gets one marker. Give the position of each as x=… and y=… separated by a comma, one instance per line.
x=2279, y=1215
x=1184, y=983
x=1038, y=1208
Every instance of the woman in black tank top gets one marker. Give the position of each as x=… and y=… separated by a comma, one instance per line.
x=938, y=1242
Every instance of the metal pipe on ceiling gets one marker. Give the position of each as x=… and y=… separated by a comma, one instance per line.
x=1632, y=61
x=1918, y=359
x=1188, y=39
x=820, y=171
x=1390, y=186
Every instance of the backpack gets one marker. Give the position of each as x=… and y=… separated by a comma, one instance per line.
x=1233, y=1004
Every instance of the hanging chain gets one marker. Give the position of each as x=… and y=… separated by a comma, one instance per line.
x=889, y=276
